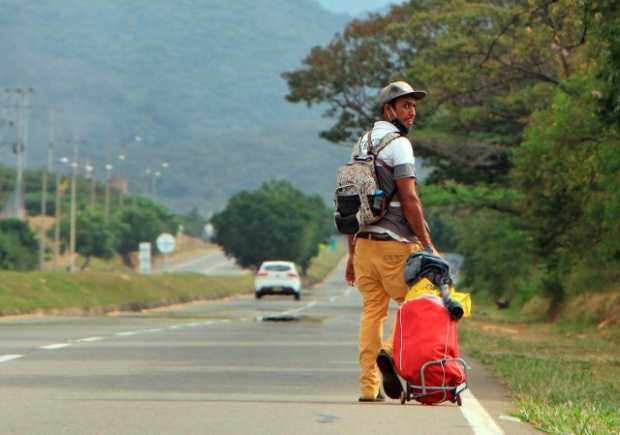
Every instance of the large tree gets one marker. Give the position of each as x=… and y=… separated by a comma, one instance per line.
x=275, y=222
x=487, y=64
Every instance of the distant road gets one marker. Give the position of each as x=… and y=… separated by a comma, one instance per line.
x=217, y=368
x=210, y=263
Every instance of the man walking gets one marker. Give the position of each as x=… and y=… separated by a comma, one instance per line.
x=378, y=252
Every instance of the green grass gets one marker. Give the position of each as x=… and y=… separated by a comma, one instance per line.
x=29, y=292
x=110, y=287
x=565, y=380
x=324, y=263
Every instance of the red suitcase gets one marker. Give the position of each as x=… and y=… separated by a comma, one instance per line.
x=426, y=352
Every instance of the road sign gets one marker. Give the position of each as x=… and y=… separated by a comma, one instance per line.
x=166, y=243
x=144, y=257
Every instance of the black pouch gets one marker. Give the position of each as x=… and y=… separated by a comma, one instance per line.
x=347, y=204
x=346, y=224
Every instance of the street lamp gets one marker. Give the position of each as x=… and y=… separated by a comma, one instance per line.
x=91, y=174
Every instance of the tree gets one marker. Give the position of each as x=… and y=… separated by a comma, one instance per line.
x=94, y=236
x=18, y=246
x=194, y=223
x=487, y=64
x=142, y=221
x=275, y=222
x=568, y=171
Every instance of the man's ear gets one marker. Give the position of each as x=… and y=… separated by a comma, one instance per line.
x=389, y=112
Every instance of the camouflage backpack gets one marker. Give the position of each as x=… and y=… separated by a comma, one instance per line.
x=359, y=199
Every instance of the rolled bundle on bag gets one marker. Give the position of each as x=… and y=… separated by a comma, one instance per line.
x=423, y=264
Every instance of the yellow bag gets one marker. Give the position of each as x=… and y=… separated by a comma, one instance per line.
x=425, y=287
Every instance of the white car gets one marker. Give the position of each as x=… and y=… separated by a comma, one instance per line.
x=278, y=277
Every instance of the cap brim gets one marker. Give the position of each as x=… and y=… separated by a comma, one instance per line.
x=418, y=95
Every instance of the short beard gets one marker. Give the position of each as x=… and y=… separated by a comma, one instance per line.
x=404, y=130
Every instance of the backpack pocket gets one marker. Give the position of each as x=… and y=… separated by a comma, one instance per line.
x=347, y=224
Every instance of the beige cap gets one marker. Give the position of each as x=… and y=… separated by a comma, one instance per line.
x=398, y=89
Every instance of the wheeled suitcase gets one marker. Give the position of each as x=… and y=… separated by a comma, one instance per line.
x=426, y=352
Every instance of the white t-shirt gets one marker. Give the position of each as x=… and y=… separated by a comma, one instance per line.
x=398, y=154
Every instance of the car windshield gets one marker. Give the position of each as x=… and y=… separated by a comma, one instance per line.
x=277, y=267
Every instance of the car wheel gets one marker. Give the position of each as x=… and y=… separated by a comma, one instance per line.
x=297, y=296
x=259, y=295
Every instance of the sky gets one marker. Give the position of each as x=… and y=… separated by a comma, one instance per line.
x=355, y=7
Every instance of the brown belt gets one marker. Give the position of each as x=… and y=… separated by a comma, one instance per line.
x=382, y=237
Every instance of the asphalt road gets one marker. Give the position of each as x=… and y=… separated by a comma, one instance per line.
x=210, y=263
x=216, y=368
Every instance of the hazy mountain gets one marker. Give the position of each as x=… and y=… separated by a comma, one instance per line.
x=197, y=80
x=357, y=7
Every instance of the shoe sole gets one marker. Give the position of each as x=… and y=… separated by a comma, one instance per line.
x=391, y=384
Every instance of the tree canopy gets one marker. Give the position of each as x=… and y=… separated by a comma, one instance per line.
x=275, y=222
x=521, y=126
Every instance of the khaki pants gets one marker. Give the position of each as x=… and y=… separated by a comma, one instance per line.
x=379, y=269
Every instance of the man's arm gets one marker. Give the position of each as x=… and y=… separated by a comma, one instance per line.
x=350, y=271
x=412, y=209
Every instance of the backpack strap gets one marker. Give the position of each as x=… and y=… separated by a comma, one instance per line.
x=385, y=141
x=357, y=147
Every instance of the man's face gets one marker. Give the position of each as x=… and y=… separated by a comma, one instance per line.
x=403, y=108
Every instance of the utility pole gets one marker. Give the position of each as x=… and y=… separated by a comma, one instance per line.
x=58, y=216
x=46, y=170
x=74, y=166
x=108, y=168
x=23, y=102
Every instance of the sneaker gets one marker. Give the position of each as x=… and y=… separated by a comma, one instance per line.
x=380, y=398
x=391, y=384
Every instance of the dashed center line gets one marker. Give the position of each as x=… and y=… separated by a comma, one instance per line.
x=126, y=333
x=7, y=358
x=89, y=339
x=55, y=346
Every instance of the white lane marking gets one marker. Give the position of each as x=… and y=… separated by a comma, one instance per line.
x=89, y=339
x=333, y=298
x=127, y=333
x=348, y=291
x=55, y=346
x=7, y=358
x=289, y=312
x=175, y=326
x=153, y=330
x=510, y=418
x=299, y=310
x=477, y=417
x=215, y=266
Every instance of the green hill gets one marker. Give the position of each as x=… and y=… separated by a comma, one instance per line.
x=197, y=80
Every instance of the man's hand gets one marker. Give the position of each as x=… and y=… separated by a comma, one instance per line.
x=350, y=272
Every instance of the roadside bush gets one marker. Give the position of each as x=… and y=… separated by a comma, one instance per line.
x=497, y=254
x=18, y=245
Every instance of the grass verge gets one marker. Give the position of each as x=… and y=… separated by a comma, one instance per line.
x=324, y=263
x=565, y=379
x=22, y=293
